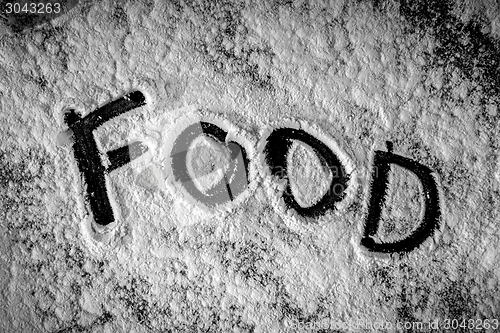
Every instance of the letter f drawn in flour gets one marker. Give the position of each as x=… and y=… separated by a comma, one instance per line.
x=90, y=160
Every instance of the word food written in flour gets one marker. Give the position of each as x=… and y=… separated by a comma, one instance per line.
x=95, y=165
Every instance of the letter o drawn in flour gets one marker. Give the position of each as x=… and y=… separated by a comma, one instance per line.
x=233, y=180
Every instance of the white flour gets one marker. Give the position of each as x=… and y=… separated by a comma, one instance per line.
x=355, y=76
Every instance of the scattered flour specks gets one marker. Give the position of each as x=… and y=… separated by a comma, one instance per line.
x=420, y=74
